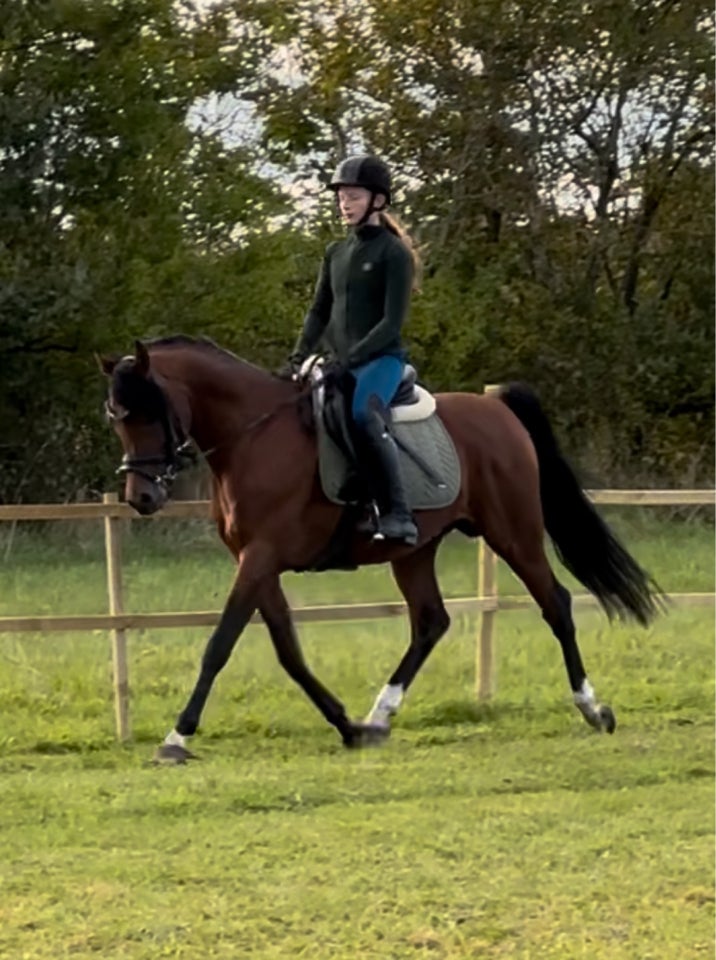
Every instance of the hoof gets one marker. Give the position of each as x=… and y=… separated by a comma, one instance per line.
x=365, y=735
x=171, y=754
x=601, y=718
x=607, y=720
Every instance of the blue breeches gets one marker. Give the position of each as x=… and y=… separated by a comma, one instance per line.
x=379, y=378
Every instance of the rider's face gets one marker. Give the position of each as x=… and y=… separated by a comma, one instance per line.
x=353, y=203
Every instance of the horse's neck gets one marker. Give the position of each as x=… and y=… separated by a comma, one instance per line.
x=219, y=398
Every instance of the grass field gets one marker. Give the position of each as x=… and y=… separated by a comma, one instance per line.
x=507, y=830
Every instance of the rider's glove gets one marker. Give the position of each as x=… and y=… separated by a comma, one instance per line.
x=291, y=369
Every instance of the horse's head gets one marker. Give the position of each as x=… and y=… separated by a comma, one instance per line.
x=154, y=442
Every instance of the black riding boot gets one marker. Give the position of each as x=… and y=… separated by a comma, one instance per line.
x=397, y=523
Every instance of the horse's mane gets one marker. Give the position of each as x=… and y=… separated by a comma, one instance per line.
x=204, y=343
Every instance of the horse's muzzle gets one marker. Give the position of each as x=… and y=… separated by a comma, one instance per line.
x=147, y=502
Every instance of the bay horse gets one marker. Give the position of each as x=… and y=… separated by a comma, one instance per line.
x=273, y=516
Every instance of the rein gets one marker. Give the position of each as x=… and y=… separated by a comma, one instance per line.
x=263, y=418
x=179, y=452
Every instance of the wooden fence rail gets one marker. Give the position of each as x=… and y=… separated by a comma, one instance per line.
x=487, y=603
x=111, y=507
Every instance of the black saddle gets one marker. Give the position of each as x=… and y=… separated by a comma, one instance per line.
x=332, y=408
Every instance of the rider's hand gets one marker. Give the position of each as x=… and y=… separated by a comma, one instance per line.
x=286, y=372
x=291, y=369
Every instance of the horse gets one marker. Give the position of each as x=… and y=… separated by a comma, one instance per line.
x=273, y=515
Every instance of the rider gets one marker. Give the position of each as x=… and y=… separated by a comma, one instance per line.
x=361, y=301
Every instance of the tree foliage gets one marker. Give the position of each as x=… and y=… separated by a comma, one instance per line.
x=117, y=219
x=554, y=160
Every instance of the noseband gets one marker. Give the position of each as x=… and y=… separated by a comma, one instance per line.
x=178, y=451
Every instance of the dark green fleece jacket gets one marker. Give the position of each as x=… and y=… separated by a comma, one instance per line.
x=362, y=298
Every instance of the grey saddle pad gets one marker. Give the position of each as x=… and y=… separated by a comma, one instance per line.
x=429, y=439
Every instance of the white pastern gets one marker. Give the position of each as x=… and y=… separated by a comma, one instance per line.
x=175, y=739
x=386, y=705
x=585, y=699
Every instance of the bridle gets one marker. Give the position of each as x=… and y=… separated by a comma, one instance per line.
x=178, y=451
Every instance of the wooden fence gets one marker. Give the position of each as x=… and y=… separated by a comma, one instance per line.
x=487, y=602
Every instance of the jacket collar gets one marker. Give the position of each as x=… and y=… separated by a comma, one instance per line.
x=367, y=231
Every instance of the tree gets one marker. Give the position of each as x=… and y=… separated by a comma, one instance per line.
x=554, y=159
x=544, y=150
x=105, y=193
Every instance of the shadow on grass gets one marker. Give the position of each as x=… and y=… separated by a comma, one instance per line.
x=452, y=713
x=65, y=746
x=458, y=713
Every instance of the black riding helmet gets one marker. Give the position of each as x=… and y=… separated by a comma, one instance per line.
x=364, y=171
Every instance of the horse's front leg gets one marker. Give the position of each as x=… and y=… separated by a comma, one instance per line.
x=276, y=614
x=254, y=564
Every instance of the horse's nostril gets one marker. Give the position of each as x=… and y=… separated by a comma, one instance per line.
x=144, y=503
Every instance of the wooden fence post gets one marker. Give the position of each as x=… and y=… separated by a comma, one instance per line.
x=112, y=542
x=486, y=589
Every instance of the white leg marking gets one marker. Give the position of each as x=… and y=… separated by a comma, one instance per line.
x=174, y=739
x=584, y=697
x=386, y=704
x=588, y=705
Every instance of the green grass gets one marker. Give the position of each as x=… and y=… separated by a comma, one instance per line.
x=506, y=830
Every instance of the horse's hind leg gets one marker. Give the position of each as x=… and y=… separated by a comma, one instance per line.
x=555, y=602
x=598, y=715
x=429, y=620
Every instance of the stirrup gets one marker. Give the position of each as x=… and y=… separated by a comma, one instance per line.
x=370, y=525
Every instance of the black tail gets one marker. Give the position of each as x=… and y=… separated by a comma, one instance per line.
x=583, y=541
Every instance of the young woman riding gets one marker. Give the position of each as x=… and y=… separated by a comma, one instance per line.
x=360, y=305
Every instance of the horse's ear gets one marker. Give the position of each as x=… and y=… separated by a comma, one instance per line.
x=141, y=358
x=106, y=364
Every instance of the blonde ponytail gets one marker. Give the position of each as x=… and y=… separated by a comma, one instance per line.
x=391, y=222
